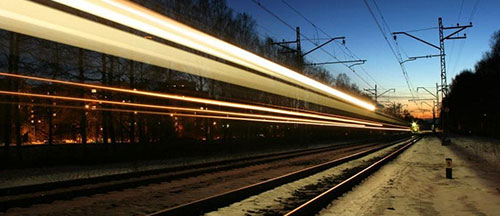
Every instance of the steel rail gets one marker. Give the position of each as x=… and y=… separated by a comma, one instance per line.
x=27, y=195
x=319, y=202
x=214, y=202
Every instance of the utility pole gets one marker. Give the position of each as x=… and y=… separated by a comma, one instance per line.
x=434, y=104
x=374, y=92
x=300, y=55
x=442, y=38
x=297, y=50
x=442, y=54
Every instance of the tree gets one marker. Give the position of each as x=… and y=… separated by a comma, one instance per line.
x=472, y=102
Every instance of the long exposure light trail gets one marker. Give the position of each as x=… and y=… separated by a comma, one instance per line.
x=192, y=99
x=129, y=14
x=194, y=110
x=239, y=118
x=39, y=19
x=211, y=116
x=174, y=114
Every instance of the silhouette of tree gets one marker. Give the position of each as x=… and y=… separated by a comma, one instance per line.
x=473, y=104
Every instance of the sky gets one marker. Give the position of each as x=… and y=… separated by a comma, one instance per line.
x=352, y=19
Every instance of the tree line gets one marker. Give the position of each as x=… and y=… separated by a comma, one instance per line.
x=31, y=120
x=472, y=104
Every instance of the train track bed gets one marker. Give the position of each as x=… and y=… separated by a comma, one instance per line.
x=43, y=175
x=170, y=188
x=280, y=197
x=286, y=198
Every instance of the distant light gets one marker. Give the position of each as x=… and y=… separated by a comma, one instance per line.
x=94, y=91
x=86, y=106
x=215, y=123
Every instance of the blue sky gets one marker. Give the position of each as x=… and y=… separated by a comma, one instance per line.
x=352, y=19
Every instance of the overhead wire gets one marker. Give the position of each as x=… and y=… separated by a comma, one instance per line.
x=462, y=44
x=336, y=42
x=399, y=49
x=316, y=44
x=398, y=57
x=422, y=29
x=453, y=42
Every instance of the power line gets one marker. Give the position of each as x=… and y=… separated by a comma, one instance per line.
x=422, y=29
x=398, y=51
x=460, y=12
x=310, y=40
x=324, y=32
x=474, y=9
x=398, y=58
x=462, y=44
x=300, y=14
x=453, y=43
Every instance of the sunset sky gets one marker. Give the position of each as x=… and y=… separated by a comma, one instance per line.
x=353, y=20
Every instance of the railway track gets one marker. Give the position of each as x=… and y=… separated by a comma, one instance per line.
x=310, y=199
x=23, y=196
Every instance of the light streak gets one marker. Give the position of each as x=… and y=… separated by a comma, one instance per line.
x=330, y=124
x=192, y=99
x=132, y=15
x=194, y=110
x=38, y=20
x=173, y=114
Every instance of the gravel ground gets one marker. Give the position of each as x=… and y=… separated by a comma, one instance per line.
x=154, y=197
x=415, y=184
